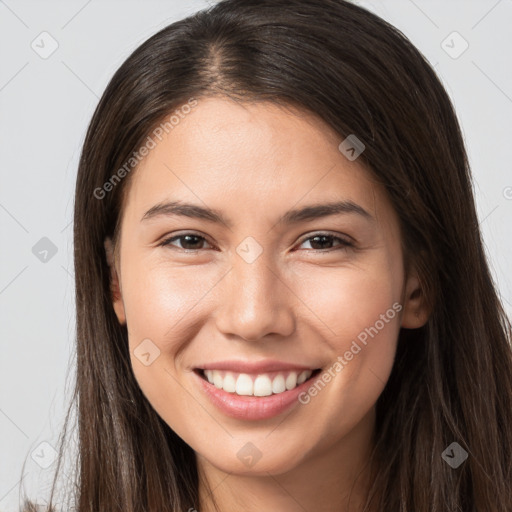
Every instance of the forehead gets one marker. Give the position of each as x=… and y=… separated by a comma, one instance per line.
x=252, y=157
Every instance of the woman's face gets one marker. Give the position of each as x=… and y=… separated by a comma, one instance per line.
x=279, y=288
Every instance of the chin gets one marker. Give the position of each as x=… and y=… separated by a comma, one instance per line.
x=249, y=460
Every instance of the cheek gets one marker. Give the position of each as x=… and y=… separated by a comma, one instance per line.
x=344, y=301
x=161, y=301
x=172, y=400
x=163, y=304
x=357, y=313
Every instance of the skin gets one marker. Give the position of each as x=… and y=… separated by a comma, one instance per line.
x=297, y=302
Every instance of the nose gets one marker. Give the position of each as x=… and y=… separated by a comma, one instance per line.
x=255, y=301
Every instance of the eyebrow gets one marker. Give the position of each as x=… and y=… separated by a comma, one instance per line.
x=307, y=213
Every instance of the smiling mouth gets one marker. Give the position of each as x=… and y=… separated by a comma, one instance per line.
x=261, y=384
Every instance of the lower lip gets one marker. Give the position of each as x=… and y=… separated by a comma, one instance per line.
x=252, y=407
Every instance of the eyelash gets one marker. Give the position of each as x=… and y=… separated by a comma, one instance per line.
x=344, y=244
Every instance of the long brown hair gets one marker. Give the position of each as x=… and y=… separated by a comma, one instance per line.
x=452, y=379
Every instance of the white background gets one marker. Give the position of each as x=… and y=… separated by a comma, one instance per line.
x=45, y=106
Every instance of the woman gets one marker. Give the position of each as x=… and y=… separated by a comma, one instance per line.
x=283, y=300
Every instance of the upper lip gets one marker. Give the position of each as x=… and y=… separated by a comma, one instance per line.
x=263, y=366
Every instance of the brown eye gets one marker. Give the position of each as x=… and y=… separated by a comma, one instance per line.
x=188, y=241
x=324, y=242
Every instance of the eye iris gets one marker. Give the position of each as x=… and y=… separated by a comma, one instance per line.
x=324, y=238
x=198, y=239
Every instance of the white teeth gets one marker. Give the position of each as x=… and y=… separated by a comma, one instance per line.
x=256, y=385
x=291, y=380
x=278, y=385
x=229, y=384
x=244, y=385
x=217, y=379
x=302, y=377
x=262, y=386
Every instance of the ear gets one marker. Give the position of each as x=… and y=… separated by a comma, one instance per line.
x=415, y=313
x=115, y=288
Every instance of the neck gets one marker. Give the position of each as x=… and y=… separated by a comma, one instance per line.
x=333, y=479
